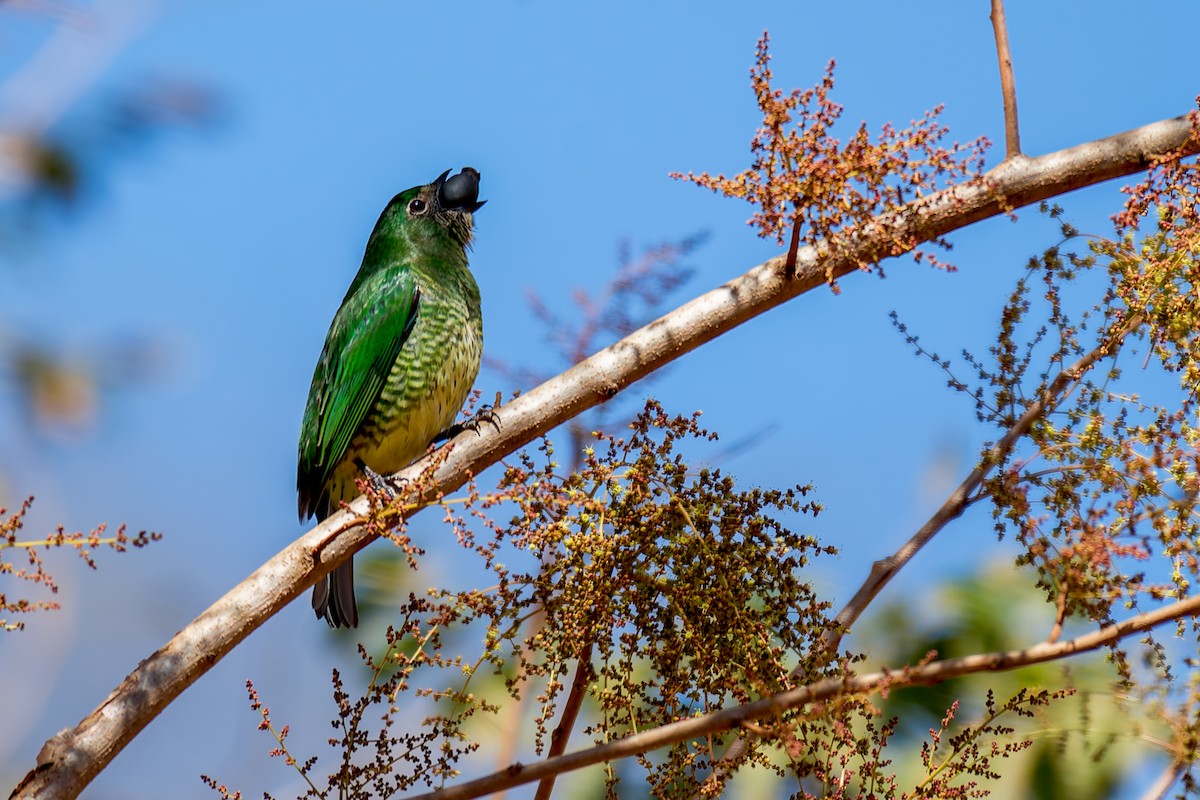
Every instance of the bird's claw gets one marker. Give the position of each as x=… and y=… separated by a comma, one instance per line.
x=382, y=484
x=485, y=414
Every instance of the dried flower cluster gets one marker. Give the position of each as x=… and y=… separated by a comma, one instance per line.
x=975, y=751
x=1111, y=478
x=656, y=592
x=678, y=592
x=689, y=590
x=35, y=572
x=806, y=181
x=1102, y=491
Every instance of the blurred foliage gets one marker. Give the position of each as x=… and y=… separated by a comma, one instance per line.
x=1081, y=746
x=54, y=172
x=58, y=146
x=58, y=143
x=634, y=296
x=59, y=393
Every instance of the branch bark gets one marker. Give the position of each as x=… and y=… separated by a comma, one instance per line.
x=1008, y=85
x=729, y=718
x=558, y=740
x=1166, y=779
x=69, y=761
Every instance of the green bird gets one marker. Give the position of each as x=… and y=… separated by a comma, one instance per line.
x=400, y=358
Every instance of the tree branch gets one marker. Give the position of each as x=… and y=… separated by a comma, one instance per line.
x=730, y=718
x=69, y=761
x=1158, y=790
x=883, y=570
x=558, y=740
x=1008, y=86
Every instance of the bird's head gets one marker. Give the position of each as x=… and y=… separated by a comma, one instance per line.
x=446, y=205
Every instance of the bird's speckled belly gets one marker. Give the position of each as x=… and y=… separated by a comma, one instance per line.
x=425, y=391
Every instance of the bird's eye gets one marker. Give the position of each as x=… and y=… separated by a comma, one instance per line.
x=417, y=207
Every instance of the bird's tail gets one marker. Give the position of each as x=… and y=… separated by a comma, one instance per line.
x=333, y=597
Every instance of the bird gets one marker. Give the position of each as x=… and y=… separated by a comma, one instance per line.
x=402, y=353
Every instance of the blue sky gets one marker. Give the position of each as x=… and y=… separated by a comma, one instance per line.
x=232, y=248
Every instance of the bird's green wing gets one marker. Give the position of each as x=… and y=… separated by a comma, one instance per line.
x=360, y=350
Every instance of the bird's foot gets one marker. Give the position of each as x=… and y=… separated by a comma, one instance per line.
x=485, y=415
x=390, y=488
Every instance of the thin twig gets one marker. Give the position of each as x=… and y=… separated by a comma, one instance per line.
x=584, y=675
x=510, y=716
x=815, y=693
x=885, y=569
x=793, y=248
x=1060, y=615
x=1008, y=86
x=1158, y=790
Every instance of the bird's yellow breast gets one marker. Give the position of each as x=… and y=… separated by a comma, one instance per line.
x=424, y=392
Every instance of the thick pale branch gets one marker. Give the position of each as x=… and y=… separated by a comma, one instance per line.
x=72, y=758
x=730, y=718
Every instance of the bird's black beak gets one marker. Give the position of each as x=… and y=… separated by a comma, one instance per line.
x=460, y=193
